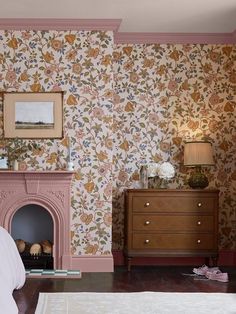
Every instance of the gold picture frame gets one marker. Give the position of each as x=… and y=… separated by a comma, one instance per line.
x=33, y=115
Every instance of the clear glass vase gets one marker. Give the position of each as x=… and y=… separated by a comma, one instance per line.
x=144, y=177
x=163, y=183
x=158, y=183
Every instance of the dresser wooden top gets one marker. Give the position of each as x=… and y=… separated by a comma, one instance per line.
x=172, y=191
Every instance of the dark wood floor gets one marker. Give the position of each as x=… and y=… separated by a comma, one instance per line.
x=141, y=278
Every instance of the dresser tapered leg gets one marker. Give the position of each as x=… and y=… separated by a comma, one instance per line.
x=211, y=261
x=214, y=260
x=129, y=259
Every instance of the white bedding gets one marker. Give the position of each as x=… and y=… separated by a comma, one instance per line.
x=12, y=272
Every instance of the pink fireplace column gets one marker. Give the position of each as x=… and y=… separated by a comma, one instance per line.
x=49, y=189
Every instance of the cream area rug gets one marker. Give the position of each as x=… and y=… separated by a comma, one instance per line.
x=136, y=303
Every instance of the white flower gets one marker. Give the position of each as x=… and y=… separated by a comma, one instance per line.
x=166, y=171
x=152, y=170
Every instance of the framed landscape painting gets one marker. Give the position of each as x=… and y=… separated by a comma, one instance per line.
x=33, y=115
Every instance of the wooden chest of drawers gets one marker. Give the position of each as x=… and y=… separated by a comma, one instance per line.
x=171, y=223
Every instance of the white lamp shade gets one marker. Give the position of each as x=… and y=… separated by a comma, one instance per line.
x=198, y=154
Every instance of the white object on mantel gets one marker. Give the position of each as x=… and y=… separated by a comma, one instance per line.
x=70, y=166
x=15, y=165
x=69, y=150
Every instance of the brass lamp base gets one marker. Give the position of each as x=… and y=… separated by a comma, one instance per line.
x=198, y=180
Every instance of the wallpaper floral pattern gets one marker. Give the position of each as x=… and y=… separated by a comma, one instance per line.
x=126, y=105
x=163, y=95
x=80, y=65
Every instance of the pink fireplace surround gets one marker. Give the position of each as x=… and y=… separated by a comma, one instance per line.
x=49, y=189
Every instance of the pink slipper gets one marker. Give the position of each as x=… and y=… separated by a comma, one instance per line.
x=219, y=276
x=201, y=271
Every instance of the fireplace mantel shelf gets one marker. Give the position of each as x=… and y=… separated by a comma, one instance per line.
x=57, y=175
x=37, y=171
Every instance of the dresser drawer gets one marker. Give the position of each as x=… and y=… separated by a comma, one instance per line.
x=173, y=241
x=157, y=223
x=172, y=204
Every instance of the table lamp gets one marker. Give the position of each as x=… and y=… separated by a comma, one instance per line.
x=198, y=154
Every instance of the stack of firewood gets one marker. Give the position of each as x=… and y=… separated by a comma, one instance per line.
x=44, y=246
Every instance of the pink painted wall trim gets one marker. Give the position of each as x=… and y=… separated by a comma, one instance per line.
x=91, y=263
x=60, y=24
x=113, y=25
x=175, y=38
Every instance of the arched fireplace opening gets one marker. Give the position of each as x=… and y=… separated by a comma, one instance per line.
x=32, y=229
x=33, y=223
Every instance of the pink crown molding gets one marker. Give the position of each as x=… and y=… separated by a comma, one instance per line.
x=113, y=25
x=175, y=38
x=59, y=24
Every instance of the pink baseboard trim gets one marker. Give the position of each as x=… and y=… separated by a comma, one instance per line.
x=175, y=38
x=88, y=263
x=59, y=24
x=226, y=258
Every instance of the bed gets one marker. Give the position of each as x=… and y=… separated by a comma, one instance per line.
x=12, y=273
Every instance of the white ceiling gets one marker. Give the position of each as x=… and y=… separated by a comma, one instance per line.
x=198, y=16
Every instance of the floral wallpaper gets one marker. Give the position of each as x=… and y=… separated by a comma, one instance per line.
x=163, y=95
x=126, y=105
x=80, y=65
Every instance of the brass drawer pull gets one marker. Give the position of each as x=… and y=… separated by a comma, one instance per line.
x=147, y=204
x=198, y=241
x=147, y=222
x=199, y=204
x=147, y=241
x=199, y=223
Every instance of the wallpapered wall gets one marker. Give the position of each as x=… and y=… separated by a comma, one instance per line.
x=163, y=94
x=78, y=63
